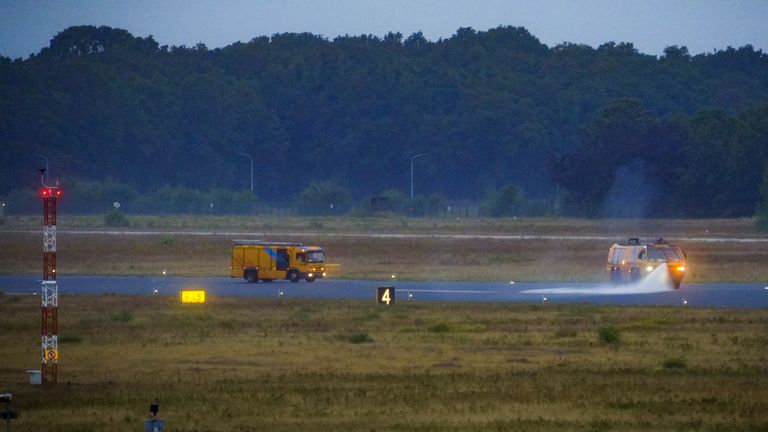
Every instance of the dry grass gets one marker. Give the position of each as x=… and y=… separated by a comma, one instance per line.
x=620, y=228
x=371, y=258
x=285, y=365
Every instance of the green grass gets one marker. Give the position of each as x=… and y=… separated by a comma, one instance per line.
x=319, y=365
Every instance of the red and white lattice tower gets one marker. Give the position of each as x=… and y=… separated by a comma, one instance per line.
x=50, y=291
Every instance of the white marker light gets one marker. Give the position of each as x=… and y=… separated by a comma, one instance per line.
x=163, y=272
x=281, y=293
x=393, y=275
x=511, y=282
x=155, y=291
x=685, y=302
x=410, y=295
x=545, y=299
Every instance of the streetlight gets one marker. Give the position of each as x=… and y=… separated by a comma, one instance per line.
x=412, y=159
x=251, y=158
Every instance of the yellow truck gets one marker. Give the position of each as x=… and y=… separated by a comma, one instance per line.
x=634, y=260
x=255, y=260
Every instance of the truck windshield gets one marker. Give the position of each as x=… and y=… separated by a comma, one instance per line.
x=316, y=256
x=664, y=254
x=673, y=254
x=656, y=254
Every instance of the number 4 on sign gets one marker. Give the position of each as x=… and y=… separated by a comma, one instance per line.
x=385, y=295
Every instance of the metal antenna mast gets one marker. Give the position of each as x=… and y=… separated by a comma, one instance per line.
x=50, y=291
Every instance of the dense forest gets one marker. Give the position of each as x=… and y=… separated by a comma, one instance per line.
x=501, y=119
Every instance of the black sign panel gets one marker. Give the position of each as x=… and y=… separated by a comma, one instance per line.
x=385, y=295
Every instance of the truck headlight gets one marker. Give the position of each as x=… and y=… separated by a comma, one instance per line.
x=649, y=268
x=680, y=268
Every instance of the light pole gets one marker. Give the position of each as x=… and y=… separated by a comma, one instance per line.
x=251, y=158
x=412, y=159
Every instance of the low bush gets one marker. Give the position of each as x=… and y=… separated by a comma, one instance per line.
x=675, y=363
x=360, y=338
x=115, y=218
x=123, y=316
x=166, y=240
x=609, y=334
x=70, y=339
x=440, y=328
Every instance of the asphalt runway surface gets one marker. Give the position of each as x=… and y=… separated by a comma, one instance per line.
x=648, y=292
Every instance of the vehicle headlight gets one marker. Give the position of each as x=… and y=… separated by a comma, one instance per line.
x=681, y=268
x=649, y=268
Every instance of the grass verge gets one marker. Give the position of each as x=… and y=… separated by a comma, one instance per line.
x=295, y=364
x=408, y=258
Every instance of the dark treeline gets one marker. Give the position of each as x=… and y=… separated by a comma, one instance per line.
x=603, y=131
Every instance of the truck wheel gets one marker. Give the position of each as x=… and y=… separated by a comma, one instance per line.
x=310, y=279
x=251, y=276
x=294, y=276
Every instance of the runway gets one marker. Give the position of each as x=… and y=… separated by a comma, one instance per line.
x=740, y=295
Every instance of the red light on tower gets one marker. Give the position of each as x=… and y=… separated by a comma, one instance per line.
x=45, y=193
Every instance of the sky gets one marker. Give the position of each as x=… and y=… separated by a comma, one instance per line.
x=26, y=26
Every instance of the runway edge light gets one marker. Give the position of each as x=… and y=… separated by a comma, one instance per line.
x=192, y=296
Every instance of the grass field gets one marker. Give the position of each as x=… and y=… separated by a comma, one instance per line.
x=397, y=224
x=173, y=247
x=288, y=365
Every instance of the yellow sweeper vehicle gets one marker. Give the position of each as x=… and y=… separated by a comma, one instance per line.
x=634, y=260
x=256, y=260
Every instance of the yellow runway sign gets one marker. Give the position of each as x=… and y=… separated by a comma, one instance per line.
x=193, y=296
